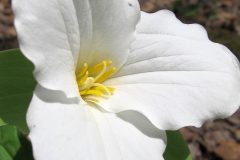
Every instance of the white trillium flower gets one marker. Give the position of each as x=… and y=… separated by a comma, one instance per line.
x=110, y=82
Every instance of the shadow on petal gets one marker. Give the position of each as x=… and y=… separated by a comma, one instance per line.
x=54, y=96
x=141, y=123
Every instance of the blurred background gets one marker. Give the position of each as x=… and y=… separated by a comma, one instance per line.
x=218, y=140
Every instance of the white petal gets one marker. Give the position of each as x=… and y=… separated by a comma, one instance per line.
x=165, y=22
x=62, y=130
x=130, y=136
x=107, y=28
x=174, y=79
x=49, y=36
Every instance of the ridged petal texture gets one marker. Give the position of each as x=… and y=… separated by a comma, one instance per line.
x=175, y=75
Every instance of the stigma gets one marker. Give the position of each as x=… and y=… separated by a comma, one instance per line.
x=90, y=81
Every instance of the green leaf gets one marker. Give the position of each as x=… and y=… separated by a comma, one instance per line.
x=9, y=141
x=16, y=87
x=189, y=157
x=2, y=123
x=13, y=145
x=176, y=147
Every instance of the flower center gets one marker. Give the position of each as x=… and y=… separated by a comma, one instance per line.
x=90, y=81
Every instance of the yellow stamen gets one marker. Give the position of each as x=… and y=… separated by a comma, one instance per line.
x=90, y=81
x=87, y=84
x=101, y=87
x=106, y=75
x=91, y=99
x=83, y=79
x=102, y=71
x=91, y=92
x=111, y=89
x=83, y=71
x=99, y=66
